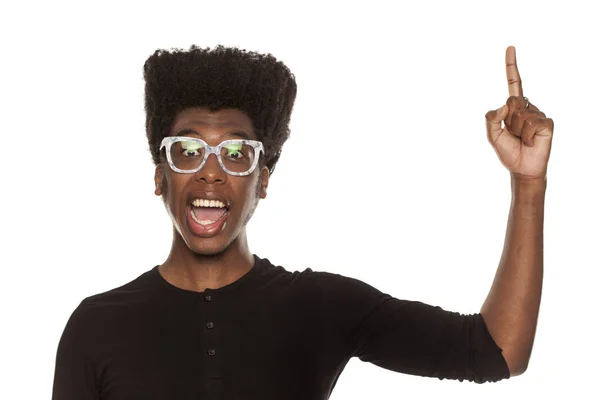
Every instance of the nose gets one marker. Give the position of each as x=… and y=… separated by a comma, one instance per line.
x=211, y=172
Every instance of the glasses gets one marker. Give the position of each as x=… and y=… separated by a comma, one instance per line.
x=188, y=155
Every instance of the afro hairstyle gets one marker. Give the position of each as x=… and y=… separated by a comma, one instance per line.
x=256, y=84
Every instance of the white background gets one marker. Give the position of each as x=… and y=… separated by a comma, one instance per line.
x=421, y=215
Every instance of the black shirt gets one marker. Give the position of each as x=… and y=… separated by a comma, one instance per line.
x=272, y=334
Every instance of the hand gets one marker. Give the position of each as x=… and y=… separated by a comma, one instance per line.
x=523, y=144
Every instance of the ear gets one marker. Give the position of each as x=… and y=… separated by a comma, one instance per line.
x=264, y=172
x=158, y=179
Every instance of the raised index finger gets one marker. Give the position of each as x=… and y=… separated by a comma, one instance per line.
x=512, y=73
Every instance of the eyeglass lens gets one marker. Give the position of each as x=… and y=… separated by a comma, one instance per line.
x=236, y=157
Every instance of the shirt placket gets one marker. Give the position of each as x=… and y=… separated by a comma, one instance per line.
x=213, y=352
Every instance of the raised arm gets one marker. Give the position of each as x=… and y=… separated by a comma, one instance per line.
x=523, y=144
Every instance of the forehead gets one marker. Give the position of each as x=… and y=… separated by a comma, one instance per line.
x=210, y=123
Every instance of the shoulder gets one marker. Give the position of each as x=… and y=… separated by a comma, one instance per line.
x=103, y=309
x=141, y=289
x=332, y=286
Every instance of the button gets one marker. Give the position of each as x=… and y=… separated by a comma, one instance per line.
x=208, y=297
x=211, y=352
x=210, y=325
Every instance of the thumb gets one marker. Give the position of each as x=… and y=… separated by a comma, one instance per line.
x=493, y=122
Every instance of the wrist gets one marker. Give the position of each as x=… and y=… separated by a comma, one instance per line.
x=528, y=189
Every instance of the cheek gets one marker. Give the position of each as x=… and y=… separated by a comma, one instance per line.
x=173, y=189
x=248, y=193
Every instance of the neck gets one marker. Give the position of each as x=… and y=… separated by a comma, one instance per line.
x=189, y=270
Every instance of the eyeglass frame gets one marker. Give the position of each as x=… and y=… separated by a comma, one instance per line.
x=168, y=141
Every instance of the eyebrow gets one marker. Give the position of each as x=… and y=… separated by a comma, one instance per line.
x=238, y=133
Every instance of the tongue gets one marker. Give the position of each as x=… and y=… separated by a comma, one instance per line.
x=208, y=213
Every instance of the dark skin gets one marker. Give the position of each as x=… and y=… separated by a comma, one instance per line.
x=523, y=146
x=196, y=263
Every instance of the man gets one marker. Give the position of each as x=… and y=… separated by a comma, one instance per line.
x=216, y=321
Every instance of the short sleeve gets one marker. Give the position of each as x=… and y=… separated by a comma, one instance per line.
x=74, y=378
x=413, y=337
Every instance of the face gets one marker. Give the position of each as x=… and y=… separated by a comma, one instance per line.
x=240, y=194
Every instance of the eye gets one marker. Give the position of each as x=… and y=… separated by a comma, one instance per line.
x=234, y=151
x=191, y=149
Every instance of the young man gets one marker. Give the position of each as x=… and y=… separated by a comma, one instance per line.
x=216, y=321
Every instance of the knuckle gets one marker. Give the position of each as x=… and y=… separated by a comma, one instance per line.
x=513, y=101
x=530, y=122
x=538, y=114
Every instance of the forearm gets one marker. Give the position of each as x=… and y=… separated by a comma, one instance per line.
x=511, y=308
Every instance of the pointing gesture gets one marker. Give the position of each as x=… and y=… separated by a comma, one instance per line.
x=523, y=143
x=512, y=74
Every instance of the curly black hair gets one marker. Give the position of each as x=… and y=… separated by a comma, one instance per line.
x=223, y=77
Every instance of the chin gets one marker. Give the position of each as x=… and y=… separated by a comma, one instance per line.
x=206, y=247
x=212, y=246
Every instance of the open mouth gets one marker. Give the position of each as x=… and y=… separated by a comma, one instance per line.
x=207, y=217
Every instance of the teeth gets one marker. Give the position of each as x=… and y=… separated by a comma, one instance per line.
x=208, y=203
